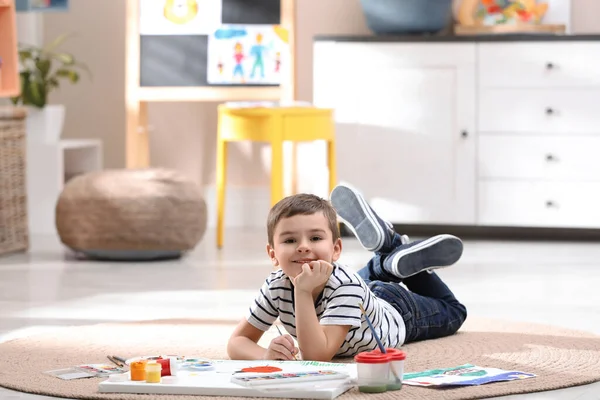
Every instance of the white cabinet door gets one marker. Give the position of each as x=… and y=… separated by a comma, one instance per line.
x=405, y=120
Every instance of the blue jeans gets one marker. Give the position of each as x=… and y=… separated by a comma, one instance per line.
x=428, y=307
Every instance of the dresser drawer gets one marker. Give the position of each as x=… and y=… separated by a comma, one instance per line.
x=539, y=111
x=535, y=64
x=539, y=204
x=539, y=157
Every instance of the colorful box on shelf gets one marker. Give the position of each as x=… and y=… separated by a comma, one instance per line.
x=42, y=5
x=9, y=68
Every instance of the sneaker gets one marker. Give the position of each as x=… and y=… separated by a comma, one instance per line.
x=423, y=255
x=372, y=232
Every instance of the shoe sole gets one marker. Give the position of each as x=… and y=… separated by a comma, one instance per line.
x=443, y=251
x=367, y=227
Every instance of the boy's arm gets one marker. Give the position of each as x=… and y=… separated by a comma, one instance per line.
x=242, y=344
x=316, y=342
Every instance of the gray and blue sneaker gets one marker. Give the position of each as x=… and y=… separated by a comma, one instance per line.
x=372, y=232
x=423, y=255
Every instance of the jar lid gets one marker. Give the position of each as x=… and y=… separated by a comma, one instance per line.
x=371, y=357
x=395, y=354
x=153, y=366
x=138, y=364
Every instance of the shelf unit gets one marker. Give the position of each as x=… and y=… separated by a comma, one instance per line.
x=9, y=70
x=42, y=5
x=137, y=154
x=49, y=167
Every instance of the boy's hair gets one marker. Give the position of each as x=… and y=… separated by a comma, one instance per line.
x=301, y=204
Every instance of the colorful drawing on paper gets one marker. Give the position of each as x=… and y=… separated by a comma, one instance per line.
x=494, y=12
x=247, y=54
x=179, y=17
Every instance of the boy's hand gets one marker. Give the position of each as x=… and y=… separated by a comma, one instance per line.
x=281, y=348
x=314, y=274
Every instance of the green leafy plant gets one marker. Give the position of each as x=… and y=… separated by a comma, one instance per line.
x=42, y=69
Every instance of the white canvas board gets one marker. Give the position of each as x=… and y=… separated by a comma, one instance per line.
x=559, y=12
x=217, y=382
x=247, y=54
x=179, y=17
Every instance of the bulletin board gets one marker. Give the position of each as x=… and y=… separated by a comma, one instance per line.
x=174, y=62
x=196, y=42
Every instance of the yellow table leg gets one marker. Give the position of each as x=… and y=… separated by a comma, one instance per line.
x=221, y=183
x=276, y=171
x=332, y=164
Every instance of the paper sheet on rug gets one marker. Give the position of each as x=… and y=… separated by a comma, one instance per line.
x=463, y=375
x=85, y=371
x=217, y=382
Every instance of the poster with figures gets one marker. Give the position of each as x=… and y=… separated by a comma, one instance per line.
x=179, y=17
x=247, y=54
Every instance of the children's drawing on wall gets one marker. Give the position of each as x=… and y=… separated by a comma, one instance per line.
x=179, y=17
x=247, y=54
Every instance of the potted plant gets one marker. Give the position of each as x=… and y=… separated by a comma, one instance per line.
x=41, y=71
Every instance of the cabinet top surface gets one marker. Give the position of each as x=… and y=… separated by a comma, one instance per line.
x=457, y=39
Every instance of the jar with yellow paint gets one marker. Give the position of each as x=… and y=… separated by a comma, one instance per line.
x=153, y=370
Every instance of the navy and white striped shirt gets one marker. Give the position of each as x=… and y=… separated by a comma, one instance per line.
x=337, y=305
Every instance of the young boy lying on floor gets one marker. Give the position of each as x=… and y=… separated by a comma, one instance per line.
x=318, y=300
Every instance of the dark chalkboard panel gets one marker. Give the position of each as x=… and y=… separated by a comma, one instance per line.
x=177, y=60
x=266, y=12
x=180, y=60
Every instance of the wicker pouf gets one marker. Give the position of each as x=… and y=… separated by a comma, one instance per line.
x=14, y=232
x=131, y=214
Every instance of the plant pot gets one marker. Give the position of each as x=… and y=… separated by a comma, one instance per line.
x=45, y=124
x=387, y=17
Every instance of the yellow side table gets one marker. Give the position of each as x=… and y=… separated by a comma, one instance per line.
x=274, y=125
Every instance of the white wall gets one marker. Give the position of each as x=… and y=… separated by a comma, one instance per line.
x=184, y=133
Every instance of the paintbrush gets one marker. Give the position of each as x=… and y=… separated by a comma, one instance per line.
x=379, y=344
x=115, y=361
x=281, y=334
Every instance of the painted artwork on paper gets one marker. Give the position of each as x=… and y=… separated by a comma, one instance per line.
x=179, y=17
x=496, y=12
x=247, y=54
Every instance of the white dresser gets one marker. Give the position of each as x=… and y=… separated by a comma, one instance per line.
x=468, y=131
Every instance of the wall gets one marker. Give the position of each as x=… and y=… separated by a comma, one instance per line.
x=183, y=135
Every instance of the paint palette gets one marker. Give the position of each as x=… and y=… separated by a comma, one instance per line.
x=198, y=365
x=287, y=377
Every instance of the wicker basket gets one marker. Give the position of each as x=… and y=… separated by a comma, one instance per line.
x=14, y=232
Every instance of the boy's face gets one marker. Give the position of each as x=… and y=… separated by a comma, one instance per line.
x=301, y=239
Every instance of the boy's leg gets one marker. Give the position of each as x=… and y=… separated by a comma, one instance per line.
x=423, y=255
x=429, y=309
x=373, y=233
x=377, y=235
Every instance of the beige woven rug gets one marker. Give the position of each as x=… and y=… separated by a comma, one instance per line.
x=561, y=358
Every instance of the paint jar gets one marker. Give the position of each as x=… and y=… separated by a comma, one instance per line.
x=169, y=366
x=373, y=371
x=137, y=370
x=397, y=358
x=153, y=370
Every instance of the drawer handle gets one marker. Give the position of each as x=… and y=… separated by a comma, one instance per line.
x=551, y=157
x=550, y=66
x=464, y=134
x=550, y=204
x=549, y=111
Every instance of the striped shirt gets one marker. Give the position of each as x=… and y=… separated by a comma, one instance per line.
x=336, y=305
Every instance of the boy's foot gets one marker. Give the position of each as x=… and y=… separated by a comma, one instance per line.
x=372, y=232
x=423, y=255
